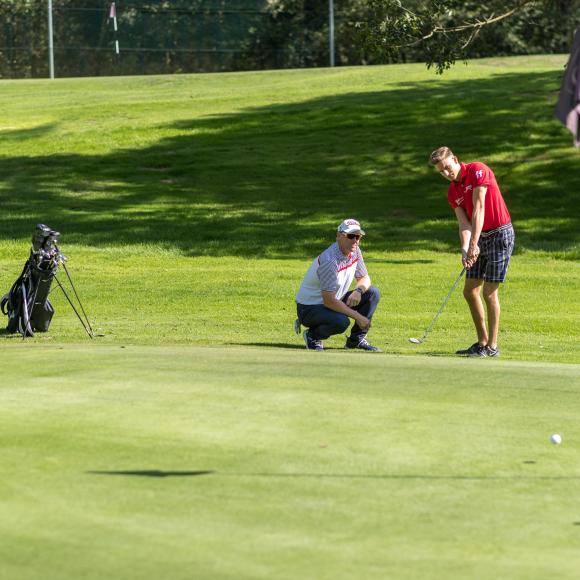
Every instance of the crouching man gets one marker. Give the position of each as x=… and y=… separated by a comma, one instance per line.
x=324, y=301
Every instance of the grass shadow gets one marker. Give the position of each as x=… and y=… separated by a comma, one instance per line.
x=413, y=476
x=270, y=345
x=156, y=473
x=276, y=180
x=152, y=473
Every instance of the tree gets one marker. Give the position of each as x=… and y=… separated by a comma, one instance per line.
x=444, y=31
x=295, y=34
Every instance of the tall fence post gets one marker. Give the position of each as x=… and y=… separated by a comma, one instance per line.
x=50, y=43
x=331, y=30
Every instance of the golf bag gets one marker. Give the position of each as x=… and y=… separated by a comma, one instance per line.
x=27, y=305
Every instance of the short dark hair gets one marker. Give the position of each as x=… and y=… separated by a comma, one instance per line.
x=439, y=154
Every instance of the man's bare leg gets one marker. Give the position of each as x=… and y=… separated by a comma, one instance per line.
x=471, y=293
x=491, y=297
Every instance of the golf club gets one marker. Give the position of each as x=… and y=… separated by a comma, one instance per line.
x=430, y=327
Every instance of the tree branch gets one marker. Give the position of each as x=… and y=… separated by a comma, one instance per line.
x=474, y=26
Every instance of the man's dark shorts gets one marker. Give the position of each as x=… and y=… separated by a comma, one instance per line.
x=495, y=248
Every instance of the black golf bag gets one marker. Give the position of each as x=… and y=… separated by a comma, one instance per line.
x=27, y=305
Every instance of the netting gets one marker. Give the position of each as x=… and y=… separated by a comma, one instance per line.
x=155, y=36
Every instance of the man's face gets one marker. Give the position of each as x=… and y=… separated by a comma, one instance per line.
x=449, y=168
x=347, y=242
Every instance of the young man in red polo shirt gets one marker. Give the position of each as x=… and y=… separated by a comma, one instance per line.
x=487, y=241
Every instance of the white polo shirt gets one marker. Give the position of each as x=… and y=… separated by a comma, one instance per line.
x=332, y=271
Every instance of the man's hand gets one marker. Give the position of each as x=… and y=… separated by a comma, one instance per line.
x=472, y=255
x=330, y=301
x=353, y=299
x=363, y=322
x=467, y=258
x=464, y=259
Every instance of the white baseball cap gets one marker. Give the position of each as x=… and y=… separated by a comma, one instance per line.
x=350, y=226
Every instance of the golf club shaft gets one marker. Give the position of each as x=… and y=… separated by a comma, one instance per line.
x=77, y=296
x=73, y=307
x=430, y=327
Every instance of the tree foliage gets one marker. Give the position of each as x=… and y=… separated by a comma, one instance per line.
x=440, y=32
x=296, y=34
x=167, y=36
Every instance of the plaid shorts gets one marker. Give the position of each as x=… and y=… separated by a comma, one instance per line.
x=496, y=247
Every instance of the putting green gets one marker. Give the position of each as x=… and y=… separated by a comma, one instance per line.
x=181, y=462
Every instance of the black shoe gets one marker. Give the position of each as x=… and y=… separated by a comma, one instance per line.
x=474, y=350
x=361, y=344
x=490, y=351
x=480, y=352
x=312, y=343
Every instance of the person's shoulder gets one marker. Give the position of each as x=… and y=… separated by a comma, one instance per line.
x=479, y=173
x=477, y=166
x=328, y=255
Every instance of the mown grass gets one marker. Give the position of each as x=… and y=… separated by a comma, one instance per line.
x=262, y=164
x=195, y=437
x=145, y=176
x=181, y=462
x=147, y=296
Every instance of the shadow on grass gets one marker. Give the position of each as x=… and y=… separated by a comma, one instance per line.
x=153, y=473
x=270, y=345
x=440, y=354
x=407, y=476
x=275, y=180
x=161, y=474
x=398, y=262
x=8, y=335
x=297, y=346
x=417, y=476
x=19, y=135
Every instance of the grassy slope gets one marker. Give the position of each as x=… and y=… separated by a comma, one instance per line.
x=144, y=176
x=189, y=208
x=241, y=156
x=181, y=462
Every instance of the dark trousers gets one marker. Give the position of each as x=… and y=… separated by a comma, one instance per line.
x=324, y=322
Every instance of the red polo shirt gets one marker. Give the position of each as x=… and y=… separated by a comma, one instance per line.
x=460, y=194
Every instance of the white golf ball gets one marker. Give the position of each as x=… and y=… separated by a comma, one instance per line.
x=556, y=439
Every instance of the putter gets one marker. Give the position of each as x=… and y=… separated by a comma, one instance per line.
x=430, y=327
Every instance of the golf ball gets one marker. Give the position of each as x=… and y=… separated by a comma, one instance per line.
x=556, y=439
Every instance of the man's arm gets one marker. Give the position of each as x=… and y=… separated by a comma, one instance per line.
x=464, y=234
x=331, y=301
x=362, y=285
x=476, y=222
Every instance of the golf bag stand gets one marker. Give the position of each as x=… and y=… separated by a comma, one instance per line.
x=27, y=305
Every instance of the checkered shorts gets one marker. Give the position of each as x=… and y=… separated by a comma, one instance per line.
x=496, y=247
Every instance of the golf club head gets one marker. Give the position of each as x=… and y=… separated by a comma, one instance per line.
x=415, y=340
